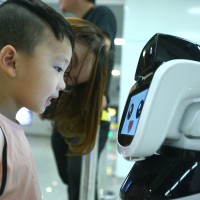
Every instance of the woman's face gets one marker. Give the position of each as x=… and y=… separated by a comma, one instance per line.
x=84, y=61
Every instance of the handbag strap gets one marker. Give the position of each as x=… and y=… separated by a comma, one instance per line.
x=4, y=159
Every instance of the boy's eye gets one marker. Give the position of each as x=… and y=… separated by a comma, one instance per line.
x=58, y=69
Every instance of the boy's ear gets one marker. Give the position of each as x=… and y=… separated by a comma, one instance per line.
x=7, y=60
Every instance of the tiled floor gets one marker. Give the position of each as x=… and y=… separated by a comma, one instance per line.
x=51, y=185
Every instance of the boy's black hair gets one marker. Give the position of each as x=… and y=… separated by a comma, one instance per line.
x=23, y=24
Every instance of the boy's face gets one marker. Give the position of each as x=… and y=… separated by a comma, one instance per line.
x=40, y=76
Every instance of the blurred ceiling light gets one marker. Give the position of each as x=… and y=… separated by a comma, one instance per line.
x=48, y=189
x=194, y=11
x=119, y=41
x=115, y=72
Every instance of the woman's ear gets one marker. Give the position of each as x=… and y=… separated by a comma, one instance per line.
x=7, y=60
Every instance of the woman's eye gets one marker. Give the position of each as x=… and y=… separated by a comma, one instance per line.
x=58, y=69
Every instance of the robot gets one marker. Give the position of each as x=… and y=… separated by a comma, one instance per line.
x=160, y=125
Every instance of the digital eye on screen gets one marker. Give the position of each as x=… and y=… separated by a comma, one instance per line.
x=139, y=109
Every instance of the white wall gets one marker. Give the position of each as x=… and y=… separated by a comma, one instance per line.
x=142, y=19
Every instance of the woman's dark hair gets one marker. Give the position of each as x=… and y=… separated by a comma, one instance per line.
x=77, y=116
x=24, y=23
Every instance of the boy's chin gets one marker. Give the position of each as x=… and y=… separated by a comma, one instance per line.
x=39, y=110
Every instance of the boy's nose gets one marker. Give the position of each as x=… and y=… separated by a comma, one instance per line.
x=62, y=84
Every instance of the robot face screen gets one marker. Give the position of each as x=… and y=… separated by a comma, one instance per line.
x=131, y=115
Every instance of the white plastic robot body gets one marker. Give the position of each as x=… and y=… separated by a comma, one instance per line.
x=175, y=88
x=164, y=138
x=191, y=197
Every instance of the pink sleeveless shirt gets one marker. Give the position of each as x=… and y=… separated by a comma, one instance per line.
x=22, y=182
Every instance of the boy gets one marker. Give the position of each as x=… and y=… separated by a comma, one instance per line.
x=35, y=49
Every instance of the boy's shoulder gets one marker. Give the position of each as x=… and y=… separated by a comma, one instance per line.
x=2, y=138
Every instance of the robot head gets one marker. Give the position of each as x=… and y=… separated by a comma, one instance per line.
x=162, y=48
x=163, y=107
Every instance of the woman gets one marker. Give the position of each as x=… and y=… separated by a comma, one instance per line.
x=76, y=115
